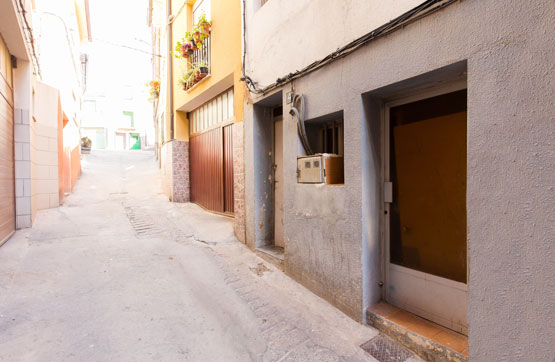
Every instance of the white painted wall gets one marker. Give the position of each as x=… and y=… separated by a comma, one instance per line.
x=286, y=35
x=59, y=48
x=44, y=148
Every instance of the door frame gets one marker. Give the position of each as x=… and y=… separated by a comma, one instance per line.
x=406, y=98
x=275, y=119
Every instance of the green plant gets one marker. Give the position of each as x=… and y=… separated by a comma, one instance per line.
x=86, y=142
x=183, y=46
x=204, y=24
x=188, y=78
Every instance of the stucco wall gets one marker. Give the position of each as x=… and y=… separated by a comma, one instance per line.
x=509, y=55
x=225, y=59
x=44, y=148
x=286, y=35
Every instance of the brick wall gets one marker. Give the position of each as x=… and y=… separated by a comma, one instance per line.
x=175, y=170
x=180, y=171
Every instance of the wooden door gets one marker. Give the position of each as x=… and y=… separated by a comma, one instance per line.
x=228, y=169
x=207, y=171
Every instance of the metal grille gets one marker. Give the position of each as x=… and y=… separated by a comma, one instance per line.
x=141, y=222
x=385, y=350
x=202, y=55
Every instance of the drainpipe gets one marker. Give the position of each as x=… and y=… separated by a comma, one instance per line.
x=170, y=66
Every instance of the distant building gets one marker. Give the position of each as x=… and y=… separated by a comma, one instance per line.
x=42, y=79
x=118, y=123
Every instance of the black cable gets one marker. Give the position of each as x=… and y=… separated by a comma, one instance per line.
x=30, y=35
x=426, y=8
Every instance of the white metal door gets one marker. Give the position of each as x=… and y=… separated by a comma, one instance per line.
x=432, y=297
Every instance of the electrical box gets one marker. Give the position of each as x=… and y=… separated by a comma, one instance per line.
x=320, y=168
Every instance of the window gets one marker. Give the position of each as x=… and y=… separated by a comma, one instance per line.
x=129, y=119
x=219, y=110
x=325, y=134
x=201, y=7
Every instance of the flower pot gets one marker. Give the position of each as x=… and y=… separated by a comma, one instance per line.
x=190, y=52
x=206, y=28
x=203, y=70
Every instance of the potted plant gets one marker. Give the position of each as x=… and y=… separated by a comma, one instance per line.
x=204, y=24
x=86, y=144
x=203, y=68
x=154, y=86
x=198, y=36
x=187, y=80
x=185, y=47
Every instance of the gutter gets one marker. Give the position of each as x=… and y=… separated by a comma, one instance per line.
x=170, y=68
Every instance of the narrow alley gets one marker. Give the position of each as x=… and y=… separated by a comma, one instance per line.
x=118, y=273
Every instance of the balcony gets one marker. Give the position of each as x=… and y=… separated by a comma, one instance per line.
x=198, y=63
x=202, y=54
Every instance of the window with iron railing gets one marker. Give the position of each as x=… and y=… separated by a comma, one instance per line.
x=202, y=54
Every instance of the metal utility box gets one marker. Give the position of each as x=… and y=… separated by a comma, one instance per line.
x=320, y=168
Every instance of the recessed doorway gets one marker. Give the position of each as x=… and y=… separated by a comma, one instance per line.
x=268, y=144
x=425, y=223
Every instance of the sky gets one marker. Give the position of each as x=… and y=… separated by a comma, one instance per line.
x=119, y=55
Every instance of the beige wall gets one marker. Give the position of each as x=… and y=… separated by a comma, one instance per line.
x=44, y=148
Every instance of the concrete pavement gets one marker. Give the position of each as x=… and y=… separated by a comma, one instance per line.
x=118, y=273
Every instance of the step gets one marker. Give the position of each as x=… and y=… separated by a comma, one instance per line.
x=272, y=254
x=429, y=340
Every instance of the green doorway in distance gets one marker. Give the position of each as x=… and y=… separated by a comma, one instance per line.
x=135, y=141
x=100, y=139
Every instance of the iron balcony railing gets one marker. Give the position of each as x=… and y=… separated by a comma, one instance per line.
x=202, y=54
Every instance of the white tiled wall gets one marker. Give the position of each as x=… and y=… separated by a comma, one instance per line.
x=22, y=168
x=44, y=167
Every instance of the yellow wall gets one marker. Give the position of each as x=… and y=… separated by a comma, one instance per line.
x=225, y=57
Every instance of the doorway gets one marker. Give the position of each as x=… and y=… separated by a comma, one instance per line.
x=425, y=206
x=120, y=141
x=278, y=181
x=135, y=140
x=269, y=129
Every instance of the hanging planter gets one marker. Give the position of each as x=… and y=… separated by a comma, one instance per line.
x=154, y=87
x=204, y=25
x=184, y=52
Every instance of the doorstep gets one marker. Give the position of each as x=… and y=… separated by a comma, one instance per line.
x=272, y=254
x=427, y=339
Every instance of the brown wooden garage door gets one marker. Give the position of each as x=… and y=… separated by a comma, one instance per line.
x=211, y=154
x=7, y=193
